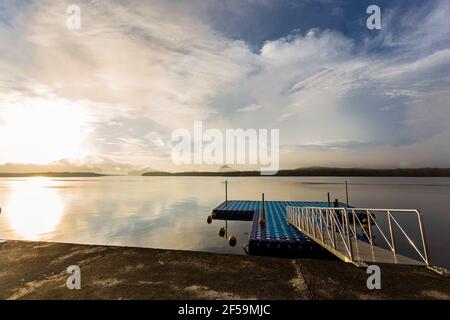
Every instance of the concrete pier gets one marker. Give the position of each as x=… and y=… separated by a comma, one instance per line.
x=37, y=270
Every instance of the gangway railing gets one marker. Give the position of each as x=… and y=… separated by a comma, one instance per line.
x=349, y=233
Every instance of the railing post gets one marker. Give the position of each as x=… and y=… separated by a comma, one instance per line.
x=263, y=209
x=327, y=222
x=424, y=239
x=293, y=216
x=299, y=218
x=347, y=229
x=391, y=231
x=313, y=221
x=346, y=194
x=355, y=234
x=226, y=192
x=328, y=218
x=262, y=216
x=305, y=220
x=369, y=226
x=322, y=225
x=302, y=219
x=333, y=230
x=308, y=223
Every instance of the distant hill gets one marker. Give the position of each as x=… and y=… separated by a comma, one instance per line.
x=141, y=172
x=300, y=172
x=93, y=164
x=203, y=174
x=323, y=172
x=52, y=174
x=227, y=169
x=367, y=172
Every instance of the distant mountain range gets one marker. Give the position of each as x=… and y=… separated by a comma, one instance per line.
x=52, y=175
x=227, y=171
x=85, y=165
x=322, y=171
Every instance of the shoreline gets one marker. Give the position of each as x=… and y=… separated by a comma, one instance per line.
x=37, y=270
x=301, y=172
x=53, y=175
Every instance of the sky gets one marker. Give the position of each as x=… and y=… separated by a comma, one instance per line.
x=110, y=94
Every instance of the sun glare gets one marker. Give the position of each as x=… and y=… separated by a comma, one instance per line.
x=33, y=209
x=41, y=132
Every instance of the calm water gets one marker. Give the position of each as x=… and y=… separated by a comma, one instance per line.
x=171, y=212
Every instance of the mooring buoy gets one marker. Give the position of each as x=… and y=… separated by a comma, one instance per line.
x=222, y=231
x=262, y=222
x=232, y=241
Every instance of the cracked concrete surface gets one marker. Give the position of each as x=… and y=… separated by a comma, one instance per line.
x=37, y=270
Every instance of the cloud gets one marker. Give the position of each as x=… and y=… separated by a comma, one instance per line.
x=250, y=108
x=137, y=71
x=129, y=61
x=335, y=144
x=321, y=87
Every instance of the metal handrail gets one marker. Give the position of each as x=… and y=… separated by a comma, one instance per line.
x=325, y=225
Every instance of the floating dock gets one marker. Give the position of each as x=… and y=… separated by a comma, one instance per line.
x=277, y=237
x=313, y=229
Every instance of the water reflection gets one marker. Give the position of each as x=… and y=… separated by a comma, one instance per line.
x=34, y=210
x=170, y=212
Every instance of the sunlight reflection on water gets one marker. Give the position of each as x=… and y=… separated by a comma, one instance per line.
x=34, y=210
x=171, y=212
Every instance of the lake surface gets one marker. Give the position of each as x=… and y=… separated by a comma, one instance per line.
x=171, y=212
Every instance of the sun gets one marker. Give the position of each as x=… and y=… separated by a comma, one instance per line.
x=40, y=131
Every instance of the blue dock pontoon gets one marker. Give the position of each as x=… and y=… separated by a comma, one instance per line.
x=277, y=237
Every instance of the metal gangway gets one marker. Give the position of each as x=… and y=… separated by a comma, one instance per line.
x=358, y=236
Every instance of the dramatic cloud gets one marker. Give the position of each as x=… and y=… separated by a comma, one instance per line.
x=137, y=70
